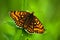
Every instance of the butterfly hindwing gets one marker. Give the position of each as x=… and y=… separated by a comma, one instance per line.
x=35, y=26
x=38, y=27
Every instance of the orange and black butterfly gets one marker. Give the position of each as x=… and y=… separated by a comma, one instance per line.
x=27, y=21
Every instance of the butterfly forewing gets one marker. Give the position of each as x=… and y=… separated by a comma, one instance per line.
x=19, y=17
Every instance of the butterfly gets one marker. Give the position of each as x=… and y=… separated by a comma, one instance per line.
x=27, y=21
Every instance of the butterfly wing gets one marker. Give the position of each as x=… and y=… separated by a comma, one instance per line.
x=19, y=17
x=38, y=27
x=31, y=25
x=35, y=26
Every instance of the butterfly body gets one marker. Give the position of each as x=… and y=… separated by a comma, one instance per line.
x=27, y=21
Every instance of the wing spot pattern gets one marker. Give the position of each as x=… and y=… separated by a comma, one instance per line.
x=32, y=25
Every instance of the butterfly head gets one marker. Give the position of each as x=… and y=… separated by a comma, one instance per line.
x=32, y=13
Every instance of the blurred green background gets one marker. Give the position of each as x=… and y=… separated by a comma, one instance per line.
x=47, y=11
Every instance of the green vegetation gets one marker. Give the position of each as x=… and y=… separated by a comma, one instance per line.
x=47, y=11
